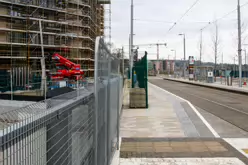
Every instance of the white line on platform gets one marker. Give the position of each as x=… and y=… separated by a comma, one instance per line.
x=195, y=110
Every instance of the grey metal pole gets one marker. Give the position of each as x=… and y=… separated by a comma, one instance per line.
x=245, y=65
x=43, y=64
x=158, y=59
x=222, y=59
x=11, y=68
x=245, y=57
x=130, y=56
x=118, y=115
x=175, y=54
x=239, y=45
x=131, y=38
x=11, y=81
x=45, y=88
x=201, y=49
x=123, y=71
x=184, y=50
x=234, y=64
x=221, y=67
x=107, y=119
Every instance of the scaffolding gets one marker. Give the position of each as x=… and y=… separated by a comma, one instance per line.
x=69, y=27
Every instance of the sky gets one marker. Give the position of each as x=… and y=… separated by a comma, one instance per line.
x=153, y=19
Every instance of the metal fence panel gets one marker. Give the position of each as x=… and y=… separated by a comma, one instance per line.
x=77, y=128
x=108, y=105
x=45, y=133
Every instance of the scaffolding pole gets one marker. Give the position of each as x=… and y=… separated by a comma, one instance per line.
x=43, y=64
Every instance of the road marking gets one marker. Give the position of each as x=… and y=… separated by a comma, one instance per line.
x=194, y=109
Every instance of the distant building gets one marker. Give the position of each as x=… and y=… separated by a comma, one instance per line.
x=163, y=66
x=169, y=66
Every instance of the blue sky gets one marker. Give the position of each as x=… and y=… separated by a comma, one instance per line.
x=154, y=19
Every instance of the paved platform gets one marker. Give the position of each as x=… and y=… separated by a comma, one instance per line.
x=173, y=132
x=167, y=116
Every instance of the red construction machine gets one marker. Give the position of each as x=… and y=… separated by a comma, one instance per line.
x=65, y=69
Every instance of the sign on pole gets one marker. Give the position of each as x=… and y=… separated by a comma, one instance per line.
x=191, y=67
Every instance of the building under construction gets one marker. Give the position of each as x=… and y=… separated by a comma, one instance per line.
x=32, y=29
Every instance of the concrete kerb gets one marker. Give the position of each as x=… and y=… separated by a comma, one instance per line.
x=233, y=90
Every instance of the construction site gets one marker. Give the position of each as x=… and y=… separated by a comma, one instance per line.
x=31, y=31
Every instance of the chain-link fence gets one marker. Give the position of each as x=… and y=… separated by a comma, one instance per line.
x=77, y=128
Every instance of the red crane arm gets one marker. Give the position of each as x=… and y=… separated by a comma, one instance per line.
x=66, y=62
x=72, y=70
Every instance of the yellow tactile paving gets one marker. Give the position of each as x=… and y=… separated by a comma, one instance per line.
x=245, y=150
x=173, y=146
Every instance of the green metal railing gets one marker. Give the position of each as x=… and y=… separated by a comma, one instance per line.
x=140, y=71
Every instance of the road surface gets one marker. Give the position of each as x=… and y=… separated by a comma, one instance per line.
x=228, y=106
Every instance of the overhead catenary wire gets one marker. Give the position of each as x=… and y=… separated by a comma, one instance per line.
x=187, y=11
x=215, y=21
x=224, y=16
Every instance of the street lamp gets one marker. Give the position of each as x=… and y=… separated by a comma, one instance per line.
x=175, y=53
x=184, y=52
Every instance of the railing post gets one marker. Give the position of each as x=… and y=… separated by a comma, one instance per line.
x=108, y=108
x=45, y=89
x=96, y=85
x=118, y=113
x=77, y=89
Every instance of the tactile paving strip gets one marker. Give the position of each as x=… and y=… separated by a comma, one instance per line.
x=177, y=148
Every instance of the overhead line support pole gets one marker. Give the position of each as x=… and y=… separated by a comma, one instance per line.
x=131, y=41
x=158, y=66
x=239, y=45
x=201, y=49
x=123, y=61
x=184, y=50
